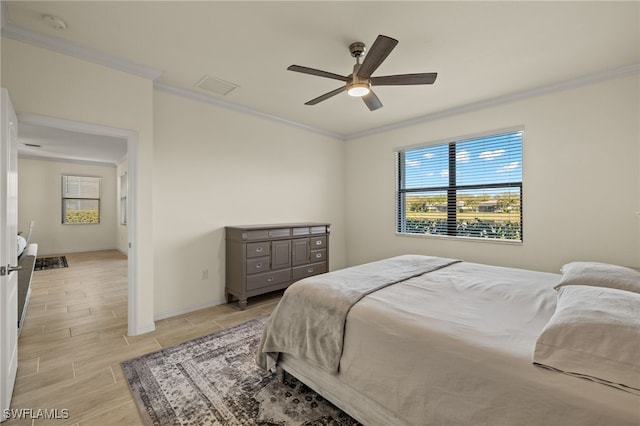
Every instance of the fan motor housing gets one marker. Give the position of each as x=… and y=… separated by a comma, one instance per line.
x=357, y=49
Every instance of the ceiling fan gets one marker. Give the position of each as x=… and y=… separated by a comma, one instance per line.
x=360, y=81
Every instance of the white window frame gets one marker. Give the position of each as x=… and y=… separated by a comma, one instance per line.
x=124, y=191
x=79, y=196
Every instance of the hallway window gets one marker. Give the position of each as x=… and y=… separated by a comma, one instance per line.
x=124, y=185
x=80, y=199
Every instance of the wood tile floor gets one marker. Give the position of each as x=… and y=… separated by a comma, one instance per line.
x=74, y=338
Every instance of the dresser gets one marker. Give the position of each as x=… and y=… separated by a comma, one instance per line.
x=265, y=258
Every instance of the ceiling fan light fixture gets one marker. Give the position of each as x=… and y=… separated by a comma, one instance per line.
x=359, y=82
x=358, y=89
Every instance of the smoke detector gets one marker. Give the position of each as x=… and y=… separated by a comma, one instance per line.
x=54, y=22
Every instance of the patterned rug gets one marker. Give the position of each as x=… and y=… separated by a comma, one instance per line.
x=214, y=380
x=50, y=263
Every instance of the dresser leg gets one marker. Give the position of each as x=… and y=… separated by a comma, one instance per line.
x=242, y=304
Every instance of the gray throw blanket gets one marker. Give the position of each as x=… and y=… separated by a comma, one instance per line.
x=308, y=322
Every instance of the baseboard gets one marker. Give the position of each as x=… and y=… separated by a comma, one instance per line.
x=188, y=309
x=42, y=253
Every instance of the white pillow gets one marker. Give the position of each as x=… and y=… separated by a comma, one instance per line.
x=22, y=243
x=594, y=333
x=600, y=275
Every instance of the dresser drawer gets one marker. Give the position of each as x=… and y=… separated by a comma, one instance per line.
x=301, y=231
x=257, y=264
x=318, y=242
x=318, y=255
x=270, y=278
x=319, y=229
x=259, y=249
x=259, y=234
x=300, y=272
x=277, y=233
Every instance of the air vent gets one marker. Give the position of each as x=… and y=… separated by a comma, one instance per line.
x=215, y=85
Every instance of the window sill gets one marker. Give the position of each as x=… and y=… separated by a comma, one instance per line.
x=461, y=239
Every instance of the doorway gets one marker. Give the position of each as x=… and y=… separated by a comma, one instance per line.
x=131, y=138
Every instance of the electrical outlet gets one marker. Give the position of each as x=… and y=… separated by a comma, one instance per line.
x=204, y=274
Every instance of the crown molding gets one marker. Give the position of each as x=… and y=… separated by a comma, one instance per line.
x=66, y=47
x=192, y=94
x=551, y=88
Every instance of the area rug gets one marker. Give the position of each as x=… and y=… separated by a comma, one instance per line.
x=50, y=263
x=214, y=380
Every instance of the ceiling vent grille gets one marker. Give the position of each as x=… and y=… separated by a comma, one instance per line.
x=215, y=85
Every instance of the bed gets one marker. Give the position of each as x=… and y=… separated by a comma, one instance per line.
x=420, y=340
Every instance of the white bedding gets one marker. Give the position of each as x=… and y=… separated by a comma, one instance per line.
x=454, y=347
x=309, y=320
x=22, y=244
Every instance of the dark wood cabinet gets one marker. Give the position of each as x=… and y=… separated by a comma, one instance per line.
x=265, y=258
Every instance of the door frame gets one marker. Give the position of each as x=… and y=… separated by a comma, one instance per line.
x=9, y=252
x=133, y=302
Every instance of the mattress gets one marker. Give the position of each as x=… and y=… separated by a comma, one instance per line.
x=454, y=347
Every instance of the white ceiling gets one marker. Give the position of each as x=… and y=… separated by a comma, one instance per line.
x=483, y=51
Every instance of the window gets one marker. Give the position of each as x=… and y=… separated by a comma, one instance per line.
x=80, y=199
x=123, y=198
x=467, y=188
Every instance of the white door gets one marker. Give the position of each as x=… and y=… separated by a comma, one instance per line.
x=8, y=253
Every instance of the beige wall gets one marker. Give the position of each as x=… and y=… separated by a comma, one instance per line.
x=200, y=167
x=214, y=167
x=580, y=181
x=50, y=84
x=219, y=166
x=39, y=199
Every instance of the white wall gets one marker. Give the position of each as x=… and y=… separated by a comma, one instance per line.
x=580, y=181
x=39, y=199
x=281, y=173
x=215, y=167
x=209, y=167
x=50, y=84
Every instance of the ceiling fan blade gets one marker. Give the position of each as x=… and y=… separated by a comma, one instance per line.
x=404, y=79
x=376, y=55
x=326, y=96
x=372, y=101
x=319, y=73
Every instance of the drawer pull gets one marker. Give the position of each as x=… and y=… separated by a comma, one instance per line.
x=259, y=249
x=318, y=255
x=258, y=265
x=269, y=279
x=318, y=242
x=310, y=270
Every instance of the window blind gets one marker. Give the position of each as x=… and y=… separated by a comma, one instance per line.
x=470, y=188
x=80, y=187
x=80, y=199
